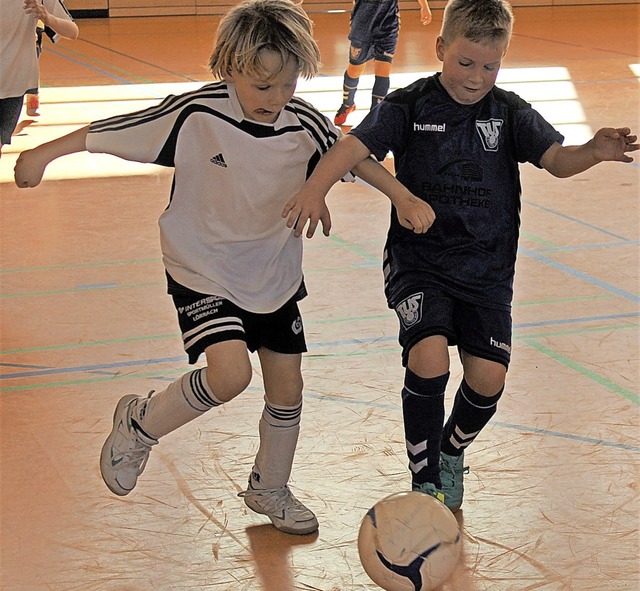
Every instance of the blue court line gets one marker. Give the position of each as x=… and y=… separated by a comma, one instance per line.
x=25, y=365
x=595, y=246
x=512, y=426
x=590, y=440
x=562, y=321
x=578, y=274
x=575, y=220
x=92, y=368
x=85, y=64
x=310, y=346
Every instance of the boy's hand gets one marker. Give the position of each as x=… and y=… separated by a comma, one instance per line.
x=302, y=208
x=425, y=15
x=414, y=214
x=29, y=169
x=613, y=144
x=36, y=9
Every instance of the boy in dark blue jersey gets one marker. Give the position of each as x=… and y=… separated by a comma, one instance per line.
x=373, y=36
x=457, y=142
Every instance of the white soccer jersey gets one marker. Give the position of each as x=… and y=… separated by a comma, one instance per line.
x=222, y=233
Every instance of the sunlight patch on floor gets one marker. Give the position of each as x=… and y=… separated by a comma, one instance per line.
x=550, y=90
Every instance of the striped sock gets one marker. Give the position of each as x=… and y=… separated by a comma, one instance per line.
x=279, y=429
x=423, y=413
x=184, y=400
x=471, y=412
x=380, y=89
x=349, y=87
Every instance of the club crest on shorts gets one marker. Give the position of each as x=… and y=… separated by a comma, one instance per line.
x=489, y=132
x=409, y=310
x=296, y=327
x=355, y=52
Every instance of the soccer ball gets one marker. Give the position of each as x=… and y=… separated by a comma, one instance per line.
x=409, y=541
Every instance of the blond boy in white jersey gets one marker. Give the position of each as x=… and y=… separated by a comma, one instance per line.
x=241, y=147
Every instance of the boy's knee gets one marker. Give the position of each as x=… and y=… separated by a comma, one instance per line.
x=227, y=382
x=288, y=393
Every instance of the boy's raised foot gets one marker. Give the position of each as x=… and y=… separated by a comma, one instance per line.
x=126, y=451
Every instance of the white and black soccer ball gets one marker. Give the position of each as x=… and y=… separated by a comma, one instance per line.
x=409, y=541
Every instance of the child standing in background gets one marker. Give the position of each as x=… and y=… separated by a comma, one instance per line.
x=19, y=70
x=373, y=36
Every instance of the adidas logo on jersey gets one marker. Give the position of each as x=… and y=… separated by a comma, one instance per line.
x=218, y=160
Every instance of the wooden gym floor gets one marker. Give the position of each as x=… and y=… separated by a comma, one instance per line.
x=552, y=496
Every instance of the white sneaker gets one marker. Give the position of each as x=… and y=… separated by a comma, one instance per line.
x=286, y=512
x=125, y=452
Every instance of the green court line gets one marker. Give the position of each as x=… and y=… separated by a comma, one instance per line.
x=563, y=300
x=108, y=66
x=103, y=378
x=81, y=265
x=76, y=290
x=517, y=335
x=609, y=385
x=541, y=335
x=538, y=240
x=348, y=319
x=91, y=344
x=353, y=248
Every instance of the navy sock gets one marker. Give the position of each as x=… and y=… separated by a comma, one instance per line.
x=471, y=412
x=423, y=412
x=349, y=87
x=379, y=90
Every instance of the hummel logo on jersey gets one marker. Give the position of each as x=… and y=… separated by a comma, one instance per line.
x=489, y=132
x=441, y=127
x=409, y=310
x=218, y=160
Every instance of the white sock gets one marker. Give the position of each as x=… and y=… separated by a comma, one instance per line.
x=184, y=400
x=279, y=428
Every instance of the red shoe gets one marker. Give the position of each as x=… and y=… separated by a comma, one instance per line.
x=33, y=104
x=343, y=112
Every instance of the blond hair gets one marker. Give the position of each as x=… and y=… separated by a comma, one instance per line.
x=257, y=25
x=477, y=20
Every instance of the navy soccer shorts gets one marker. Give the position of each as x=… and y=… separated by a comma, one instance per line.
x=382, y=50
x=478, y=330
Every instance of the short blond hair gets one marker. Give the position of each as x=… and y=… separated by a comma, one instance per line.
x=256, y=25
x=477, y=20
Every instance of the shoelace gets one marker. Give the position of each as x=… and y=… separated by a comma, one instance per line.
x=274, y=499
x=453, y=470
x=134, y=458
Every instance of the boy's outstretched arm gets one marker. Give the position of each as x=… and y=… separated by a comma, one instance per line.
x=349, y=154
x=31, y=164
x=413, y=213
x=308, y=204
x=608, y=144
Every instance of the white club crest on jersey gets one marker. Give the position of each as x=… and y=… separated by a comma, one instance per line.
x=409, y=310
x=489, y=132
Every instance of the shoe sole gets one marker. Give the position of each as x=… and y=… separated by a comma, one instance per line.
x=105, y=456
x=340, y=120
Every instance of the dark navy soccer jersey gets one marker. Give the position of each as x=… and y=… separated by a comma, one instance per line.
x=374, y=19
x=462, y=160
